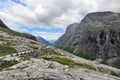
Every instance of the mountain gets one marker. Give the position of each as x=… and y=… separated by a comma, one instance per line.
x=5, y=28
x=66, y=38
x=42, y=40
x=26, y=59
x=97, y=36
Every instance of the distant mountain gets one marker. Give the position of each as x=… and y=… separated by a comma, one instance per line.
x=42, y=40
x=52, y=42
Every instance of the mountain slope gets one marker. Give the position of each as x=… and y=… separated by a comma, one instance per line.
x=12, y=41
x=5, y=28
x=42, y=40
x=66, y=39
x=97, y=36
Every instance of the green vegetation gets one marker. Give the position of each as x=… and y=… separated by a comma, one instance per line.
x=115, y=74
x=6, y=64
x=11, y=32
x=69, y=49
x=116, y=63
x=6, y=50
x=69, y=62
x=52, y=52
x=104, y=61
x=86, y=56
x=114, y=27
x=56, y=53
x=14, y=33
x=83, y=55
x=33, y=47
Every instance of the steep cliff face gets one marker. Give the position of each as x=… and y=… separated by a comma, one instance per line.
x=68, y=38
x=97, y=35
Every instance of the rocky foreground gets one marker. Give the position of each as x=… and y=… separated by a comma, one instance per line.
x=56, y=64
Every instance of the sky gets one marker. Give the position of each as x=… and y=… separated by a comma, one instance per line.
x=49, y=18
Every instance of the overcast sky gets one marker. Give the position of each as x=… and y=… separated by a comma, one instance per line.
x=49, y=18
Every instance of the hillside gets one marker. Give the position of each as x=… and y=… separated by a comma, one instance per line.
x=96, y=37
x=5, y=28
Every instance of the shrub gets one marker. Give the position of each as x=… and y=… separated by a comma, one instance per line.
x=69, y=49
x=86, y=56
x=6, y=64
x=115, y=74
x=69, y=62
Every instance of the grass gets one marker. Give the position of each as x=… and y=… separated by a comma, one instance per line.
x=6, y=64
x=114, y=28
x=81, y=54
x=53, y=52
x=14, y=33
x=86, y=56
x=33, y=47
x=6, y=50
x=69, y=49
x=69, y=62
x=116, y=64
x=115, y=74
x=104, y=62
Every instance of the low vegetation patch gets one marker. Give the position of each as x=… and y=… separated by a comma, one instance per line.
x=52, y=52
x=104, y=62
x=116, y=64
x=33, y=47
x=86, y=56
x=83, y=55
x=69, y=49
x=115, y=74
x=69, y=62
x=6, y=50
x=6, y=64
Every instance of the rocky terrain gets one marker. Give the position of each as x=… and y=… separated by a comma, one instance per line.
x=95, y=37
x=25, y=59
x=42, y=40
x=56, y=64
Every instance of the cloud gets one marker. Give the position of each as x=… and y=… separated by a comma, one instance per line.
x=51, y=13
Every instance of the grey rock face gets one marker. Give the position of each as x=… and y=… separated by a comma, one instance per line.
x=98, y=34
x=68, y=38
x=38, y=69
